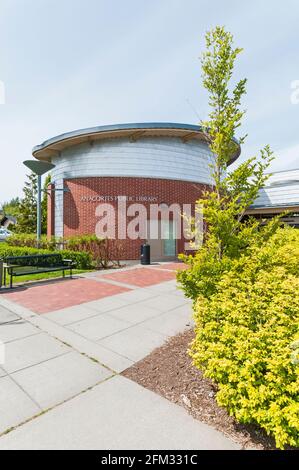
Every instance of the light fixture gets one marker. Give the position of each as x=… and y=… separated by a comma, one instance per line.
x=39, y=168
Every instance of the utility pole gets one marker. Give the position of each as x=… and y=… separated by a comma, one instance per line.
x=39, y=209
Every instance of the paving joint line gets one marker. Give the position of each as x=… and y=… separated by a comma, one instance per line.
x=37, y=316
x=23, y=390
x=96, y=342
x=94, y=309
x=10, y=322
x=150, y=318
x=22, y=337
x=36, y=364
x=34, y=315
x=46, y=410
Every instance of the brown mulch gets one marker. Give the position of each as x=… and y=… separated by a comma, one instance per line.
x=168, y=371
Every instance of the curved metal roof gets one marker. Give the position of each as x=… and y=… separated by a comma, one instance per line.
x=280, y=191
x=54, y=145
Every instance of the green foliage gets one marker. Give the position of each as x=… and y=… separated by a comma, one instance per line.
x=11, y=207
x=27, y=218
x=24, y=210
x=233, y=192
x=244, y=280
x=223, y=208
x=83, y=260
x=223, y=212
x=206, y=268
x=225, y=115
x=247, y=333
x=102, y=252
x=87, y=241
x=29, y=240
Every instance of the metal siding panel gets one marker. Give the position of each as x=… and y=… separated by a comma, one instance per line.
x=161, y=158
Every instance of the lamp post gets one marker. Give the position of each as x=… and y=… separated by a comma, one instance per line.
x=39, y=168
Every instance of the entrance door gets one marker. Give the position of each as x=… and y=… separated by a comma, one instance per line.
x=162, y=240
x=168, y=238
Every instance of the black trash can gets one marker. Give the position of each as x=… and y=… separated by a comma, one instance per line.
x=145, y=255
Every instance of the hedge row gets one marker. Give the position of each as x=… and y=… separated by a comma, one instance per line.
x=29, y=240
x=104, y=252
x=82, y=260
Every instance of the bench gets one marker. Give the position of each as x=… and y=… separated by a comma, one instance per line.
x=35, y=264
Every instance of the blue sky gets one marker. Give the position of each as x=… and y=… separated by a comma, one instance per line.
x=69, y=64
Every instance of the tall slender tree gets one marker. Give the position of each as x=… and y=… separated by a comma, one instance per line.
x=228, y=236
x=27, y=218
x=233, y=191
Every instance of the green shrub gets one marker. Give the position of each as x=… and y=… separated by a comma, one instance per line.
x=102, y=251
x=247, y=332
x=206, y=268
x=29, y=240
x=83, y=260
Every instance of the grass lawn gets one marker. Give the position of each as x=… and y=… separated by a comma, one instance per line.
x=43, y=276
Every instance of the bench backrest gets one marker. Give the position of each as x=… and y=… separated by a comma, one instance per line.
x=43, y=260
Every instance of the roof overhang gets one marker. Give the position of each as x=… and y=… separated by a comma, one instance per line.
x=52, y=147
x=291, y=207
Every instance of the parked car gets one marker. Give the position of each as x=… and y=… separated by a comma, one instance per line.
x=4, y=234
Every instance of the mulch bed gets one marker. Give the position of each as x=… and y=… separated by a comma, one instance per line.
x=168, y=371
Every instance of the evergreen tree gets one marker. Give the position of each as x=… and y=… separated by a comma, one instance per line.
x=27, y=218
x=11, y=207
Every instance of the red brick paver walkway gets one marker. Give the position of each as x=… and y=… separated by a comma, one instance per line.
x=56, y=295
x=141, y=277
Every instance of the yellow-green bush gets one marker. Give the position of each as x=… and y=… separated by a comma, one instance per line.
x=247, y=334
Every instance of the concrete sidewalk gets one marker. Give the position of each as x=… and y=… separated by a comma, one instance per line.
x=117, y=414
x=53, y=358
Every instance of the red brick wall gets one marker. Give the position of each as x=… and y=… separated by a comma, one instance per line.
x=80, y=218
